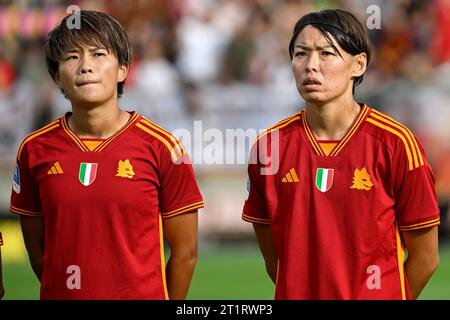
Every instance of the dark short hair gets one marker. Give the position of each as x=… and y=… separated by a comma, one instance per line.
x=343, y=26
x=96, y=29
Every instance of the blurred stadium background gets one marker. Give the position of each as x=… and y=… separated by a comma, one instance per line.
x=225, y=63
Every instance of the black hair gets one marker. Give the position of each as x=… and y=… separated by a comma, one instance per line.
x=96, y=29
x=343, y=26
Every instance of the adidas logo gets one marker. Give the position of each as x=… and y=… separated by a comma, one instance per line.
x=291, y=176
x=55, y=169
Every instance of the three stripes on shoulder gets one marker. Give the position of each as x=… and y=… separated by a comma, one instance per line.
x=413, y=153
x=174, y=145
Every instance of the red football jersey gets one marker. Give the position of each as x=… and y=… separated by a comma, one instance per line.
x=336, y=219
x=103, y=209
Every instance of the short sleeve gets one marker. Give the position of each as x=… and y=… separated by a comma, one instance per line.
x=179, y=192
x=255, y=209
x=416, y=201
x=24, y=194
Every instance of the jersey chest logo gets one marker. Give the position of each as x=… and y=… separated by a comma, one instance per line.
x=324, y=179
x=88, y=173
x=125, y=169
x=361, y=180
x=55, y=169
x=291, y=176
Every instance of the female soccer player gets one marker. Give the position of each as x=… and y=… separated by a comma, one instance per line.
x=353, y=187
x=99, y=188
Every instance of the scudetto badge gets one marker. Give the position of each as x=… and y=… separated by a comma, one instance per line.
x=88, y=173
x=324, y=179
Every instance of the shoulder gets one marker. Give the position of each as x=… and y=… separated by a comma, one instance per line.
x=396, y=136
x=284, y=127
x=159, y=137
x=43, y=133
x=277, y=136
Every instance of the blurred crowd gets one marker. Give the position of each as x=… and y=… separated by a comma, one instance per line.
x=226, y=63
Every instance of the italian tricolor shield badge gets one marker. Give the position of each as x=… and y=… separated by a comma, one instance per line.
x=88, y=172
x=324, y=179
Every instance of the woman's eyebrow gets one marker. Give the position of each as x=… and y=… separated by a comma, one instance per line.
x=305, y=47
x=90, y=49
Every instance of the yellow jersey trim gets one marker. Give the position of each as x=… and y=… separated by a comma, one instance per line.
x=188, y=208
x=343, y=142
x=401, y=262
x=37, y=133
x=84, y=147
x=178, y=146
x=281, y=124
x=417, y=155
x=350, y=133
x=24, y=212
x=278, y=272
x=422, y=225
x=175, y=156
x=73, y=136
x=91, y=144
x=311, y=137
x=328, y=147
x=251, y=219
x=163, y=257
x=398, y=134
x=103, y=145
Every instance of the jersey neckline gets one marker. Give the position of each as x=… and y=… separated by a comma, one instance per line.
x=79, y=141
x=315, y=144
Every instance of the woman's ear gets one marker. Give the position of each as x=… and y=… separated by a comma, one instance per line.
x=122, y=73
x=56, y=79
x=360, y=65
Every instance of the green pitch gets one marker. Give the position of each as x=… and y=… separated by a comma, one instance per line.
x=221, y=273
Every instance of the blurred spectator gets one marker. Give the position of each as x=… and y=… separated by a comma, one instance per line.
x=200, y=43
x=440, y=47
x=157, y=91
x=225, y=62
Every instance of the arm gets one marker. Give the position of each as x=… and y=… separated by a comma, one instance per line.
x=265, y=241
x=181, y=235
x=33, y=236
x=423, y=257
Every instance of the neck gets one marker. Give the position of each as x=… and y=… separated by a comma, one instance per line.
x=331, y=121
x=99, y=123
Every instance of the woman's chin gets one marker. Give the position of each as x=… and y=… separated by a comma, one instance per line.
x=88, y=101
x=314, y=99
